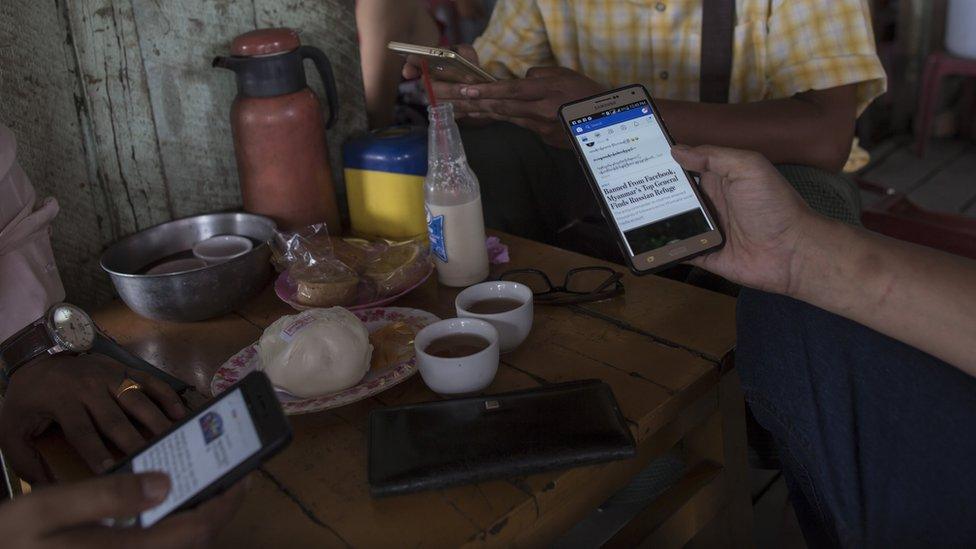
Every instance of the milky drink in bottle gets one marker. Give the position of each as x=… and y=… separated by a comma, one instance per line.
x=455, y=222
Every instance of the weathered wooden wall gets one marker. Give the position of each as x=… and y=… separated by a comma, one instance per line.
x=120, y=116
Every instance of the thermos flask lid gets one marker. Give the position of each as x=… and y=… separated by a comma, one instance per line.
x=269, y=62
x=263, y=42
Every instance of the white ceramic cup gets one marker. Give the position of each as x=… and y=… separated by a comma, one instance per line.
x=219, y=249
x=513, y=326
x=452, y=376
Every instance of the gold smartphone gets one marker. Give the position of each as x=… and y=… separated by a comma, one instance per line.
x=449, y=65
x=657, y=211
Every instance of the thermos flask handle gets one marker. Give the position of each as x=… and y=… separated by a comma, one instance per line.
x=325, y=71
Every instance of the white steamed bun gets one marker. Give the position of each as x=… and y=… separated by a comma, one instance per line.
x=316, y=352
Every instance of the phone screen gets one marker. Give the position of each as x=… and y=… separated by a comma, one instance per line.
x=202, y=450
x=646, y=191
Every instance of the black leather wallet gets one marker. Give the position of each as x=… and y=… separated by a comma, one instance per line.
x=466, y=440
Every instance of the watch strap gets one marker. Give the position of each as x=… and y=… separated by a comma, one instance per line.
x=24, y=346
x=107, y=346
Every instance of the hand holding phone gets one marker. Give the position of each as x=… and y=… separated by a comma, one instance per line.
x=69, y=515
x=531, y=102
x=769, y=217
x=459, y=66
x=658, y=213
x=217, y=446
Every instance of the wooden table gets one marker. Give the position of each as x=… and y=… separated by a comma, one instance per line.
x=661, y=347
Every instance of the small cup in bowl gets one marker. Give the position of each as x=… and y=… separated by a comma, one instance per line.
x=223, y=248
x=454, y=375
x=506, y=305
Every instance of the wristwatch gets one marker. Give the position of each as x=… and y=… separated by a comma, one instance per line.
x=64, y=328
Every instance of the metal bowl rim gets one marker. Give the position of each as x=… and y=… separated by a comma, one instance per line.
x=246, y=255
x=237, y=259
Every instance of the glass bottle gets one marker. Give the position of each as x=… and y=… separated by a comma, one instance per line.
x=455, y=222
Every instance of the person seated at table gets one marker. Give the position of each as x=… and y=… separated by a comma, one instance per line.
x=380, y=21
x=858, y=352
x=802, y=71
x=78, y=393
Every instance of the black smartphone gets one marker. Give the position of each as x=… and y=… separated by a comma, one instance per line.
x=656, y=208
x=208, y=452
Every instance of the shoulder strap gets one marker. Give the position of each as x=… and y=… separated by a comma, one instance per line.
x=718, y=29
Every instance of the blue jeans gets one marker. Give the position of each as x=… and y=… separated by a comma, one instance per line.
x=877, y=439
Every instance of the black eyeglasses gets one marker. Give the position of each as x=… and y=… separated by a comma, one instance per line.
x=581, y=285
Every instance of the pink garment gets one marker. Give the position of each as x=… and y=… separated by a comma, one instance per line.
x=29, y=280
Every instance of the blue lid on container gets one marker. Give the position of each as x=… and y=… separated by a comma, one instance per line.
x=398, y=149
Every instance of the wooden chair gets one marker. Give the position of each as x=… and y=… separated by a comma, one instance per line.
x=938, y=66
x=898, y=217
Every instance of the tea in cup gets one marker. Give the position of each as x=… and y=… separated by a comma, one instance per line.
x=458, y=355
x=506, y=305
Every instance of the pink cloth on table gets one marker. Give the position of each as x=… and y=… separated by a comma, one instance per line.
x=497, y=252
x=29, y=279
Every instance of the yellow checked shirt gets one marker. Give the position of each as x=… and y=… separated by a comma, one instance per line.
x=782, y=47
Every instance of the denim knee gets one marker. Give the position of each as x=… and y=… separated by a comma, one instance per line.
x=880, y=433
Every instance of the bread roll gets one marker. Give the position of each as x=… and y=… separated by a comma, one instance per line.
x=327, y=293
x=351, y=255
x=316, y=352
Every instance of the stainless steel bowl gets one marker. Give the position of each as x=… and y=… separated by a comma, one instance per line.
x=193, y=295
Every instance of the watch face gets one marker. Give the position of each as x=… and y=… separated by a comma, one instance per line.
x=72, y=327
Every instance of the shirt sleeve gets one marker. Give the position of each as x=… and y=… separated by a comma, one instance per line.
x=515, y=40
x=29, y=279
x=817, y=44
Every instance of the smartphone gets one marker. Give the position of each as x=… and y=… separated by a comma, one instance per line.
x=207, y=453
x=449, y=64
x=657, y=211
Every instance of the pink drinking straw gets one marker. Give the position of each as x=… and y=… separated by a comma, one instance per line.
x=425, y=72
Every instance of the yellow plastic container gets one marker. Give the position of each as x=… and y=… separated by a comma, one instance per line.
x=384, y=174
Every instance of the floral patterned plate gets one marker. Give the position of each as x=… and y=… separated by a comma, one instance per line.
x=376, y=381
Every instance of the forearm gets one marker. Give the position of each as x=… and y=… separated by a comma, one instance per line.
x=922, y=297
x=786, y=131
x=379, y=22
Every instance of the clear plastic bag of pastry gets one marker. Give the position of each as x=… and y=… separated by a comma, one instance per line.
x=395, y=267
x=306, y=247
x=322, y=276
x=329, y=270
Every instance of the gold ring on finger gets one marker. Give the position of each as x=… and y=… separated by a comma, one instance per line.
x=127, y=385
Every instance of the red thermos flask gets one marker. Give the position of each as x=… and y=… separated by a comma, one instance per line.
x=279, y=136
